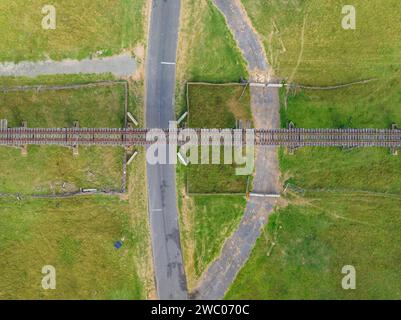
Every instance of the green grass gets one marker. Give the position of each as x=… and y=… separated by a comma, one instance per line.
x=210, y=54
x=313, y=243
x=215, y=179
x=372, y=105
x=205, y=103
x=330, y=54
x=218, y=106
x=83, y=28
x=94, y=107
x=76, y=236
x=54, y=169
x=215, y=218
x=369, y=106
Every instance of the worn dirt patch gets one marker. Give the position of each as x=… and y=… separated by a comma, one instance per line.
x=139, y=52
x=138, y=205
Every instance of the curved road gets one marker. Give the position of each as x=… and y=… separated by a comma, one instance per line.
x=160, y=89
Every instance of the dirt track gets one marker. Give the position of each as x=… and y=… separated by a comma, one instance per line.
x=121, y=66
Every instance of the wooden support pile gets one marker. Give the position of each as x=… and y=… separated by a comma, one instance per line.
x=291, y=150
x=75, y=150
x=3, y=124
x=394, y=151
x=24, y=148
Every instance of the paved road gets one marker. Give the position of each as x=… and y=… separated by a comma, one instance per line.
x=163, y=212
x=121, y=66
x=265, y=109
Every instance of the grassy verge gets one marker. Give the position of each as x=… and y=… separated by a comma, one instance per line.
x=205, y=223
x=83, y=28
x=138, y=201
x=208, y=55
x=138, y=205
x=215, y=218
x=306, y=43
x=54, y=169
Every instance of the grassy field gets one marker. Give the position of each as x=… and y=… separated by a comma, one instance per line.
x=306, y=43
x=218, y=106
x=315, y=239
x=83, y=28
x=215, y=218
x=230, y=103
x=54, y=169
x=353, y=219
x=77, y=235
x=349, y=215
x=374, y=105
x=350, y=211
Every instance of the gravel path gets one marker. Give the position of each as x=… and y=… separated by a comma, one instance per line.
x=121, y=66
x=265, y=107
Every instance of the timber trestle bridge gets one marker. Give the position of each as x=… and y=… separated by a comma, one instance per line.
x=293, y=137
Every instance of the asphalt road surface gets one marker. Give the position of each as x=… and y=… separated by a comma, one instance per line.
x=160, y=90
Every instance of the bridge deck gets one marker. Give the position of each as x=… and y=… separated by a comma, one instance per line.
x=129, y=137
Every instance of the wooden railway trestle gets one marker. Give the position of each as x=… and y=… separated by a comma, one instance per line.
x=294, y=137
